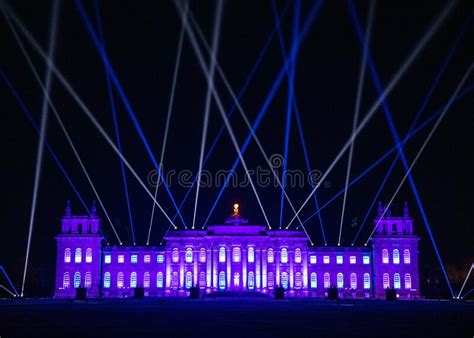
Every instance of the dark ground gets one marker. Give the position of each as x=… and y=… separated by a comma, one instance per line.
x=232, y=318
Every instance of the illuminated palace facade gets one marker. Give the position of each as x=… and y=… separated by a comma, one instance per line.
x=237, y=258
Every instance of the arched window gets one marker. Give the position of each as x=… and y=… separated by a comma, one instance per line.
x=66, y=280
x=174, y=279
x=146, y=280
x=407, y=281
x=406, y=256
x=189, y=279
x=396, y=256
x=175, y=255
x=386, y=281
x=67, y=255
x=284, y=255
x=77, y=280
x=188, y=258
x=159, y=279
x=385, y=256
x=236, y=279
x=327, y=280
x=251, y=281
x=284, y=280
x=78, y=255
x=222, y=280
x=133, y=280
x=236, y=254
x=366, y=281
x=340, y=280
x=396, y=281
x=297, y=255
x=202, y=255
x=88, y=255
x=202, y=279
x=298, y=281
x=221, y=254
x=88, y=280
x=106, y=280
x=270, y=256
x=120, y=280
x=353, y=280
x=251, y=254
x=271, y=280
x=314, y=280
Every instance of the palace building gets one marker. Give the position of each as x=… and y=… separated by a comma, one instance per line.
x=237, y=258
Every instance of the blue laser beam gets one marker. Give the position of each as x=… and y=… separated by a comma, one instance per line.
x=9, y=280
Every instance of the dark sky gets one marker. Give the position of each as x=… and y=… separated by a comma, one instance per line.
x=141, y=38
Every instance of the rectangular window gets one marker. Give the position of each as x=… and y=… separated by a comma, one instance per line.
x=121, y=258
x=107, y=259
x=366, y=259
x=147, y=258
x=352, y=259
x=313, y=259
x=326, y=259
x=339, y=260
x=160, y=259
x=133, y=259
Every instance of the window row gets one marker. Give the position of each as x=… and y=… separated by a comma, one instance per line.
x=396, y=281
x=77, y=255
x=396, y=256
x=77, y=280
x=313, y=259
x=160, y=258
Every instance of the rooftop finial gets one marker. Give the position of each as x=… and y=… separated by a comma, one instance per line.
x=406, y=212
x=235, y=218
x=94, y=209
x=379, y=209
x=68, y=209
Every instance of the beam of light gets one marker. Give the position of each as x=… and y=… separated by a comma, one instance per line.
x=4, y=288
x=467, y=293
x=212, y=67
x=422, y=126
x=168, y=119
x=44, y=119
x=116, y=127
x=80, y=102
x=360, y=88
x=9, y=280
x=393, y=82
x=423, y=105
x=268, y=99
x=125, y=101
x=29, y=116
x=465, y=281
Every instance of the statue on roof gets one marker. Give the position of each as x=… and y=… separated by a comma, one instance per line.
x=235, y=218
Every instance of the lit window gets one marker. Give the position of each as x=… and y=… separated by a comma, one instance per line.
x=120, y=280
x=314, y=280
x=326, y=259
x=270, y=280
x=67, y=255
x=352, y=260
x=386, y=281
x=366, y=281
x=396, y=256
x=298, y=281
x=284, y=255
x=147, y=258
x=236, y=279
x=77, y=280
x=202, y=255
x=396, y=281
x=146, y=280
x=107, y=259
x=222, y=280
x=160, y=258
x=88, y=255
x=188, y=257
x=133, y=259
x=366, y=259
x=270, y=256
x=66, y=280
x=159, y=279
x=189, y=280
x=120, y=258
x=284, y=280
x=313, y=259
x=133, y=280
x=88, y=280
x=353, y=280
x=78, y=255
x=385, y=256
x=340, y=280
x=339, y=259
x=236, y=254
x=297, y=255
x=174, y=279
x=406, y=256
x=407, y=281
x=327, y=280
x=106, y=280
x=251, y=254
x=251, y=281
x=202, y=279
x=221, y=254
x=175, y=255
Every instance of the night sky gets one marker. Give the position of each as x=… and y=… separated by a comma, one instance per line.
x=141, y=39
